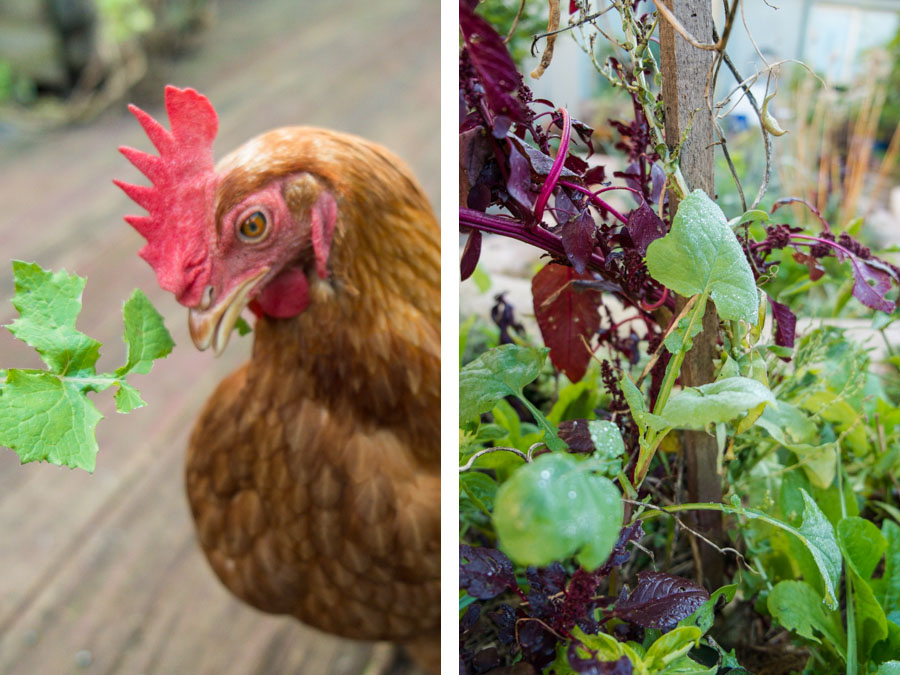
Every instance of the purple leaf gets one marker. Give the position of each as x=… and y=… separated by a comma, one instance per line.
x=504, y=618
x=591, y=666
x=660, y=600
x=595, y=175
x=871, y=295
x=501, y=126
x=541, y=164
x=644, y=226
x=620, y=553
x=493, y=63
x=565, y=316
x=474, y=151
x=486, y=573
x=576, y=164
x=538, y=644
x=816, y=271
x=519, y=182
x=785, y=324
x=469, y=618
x=470, y=255
x=578, y=240
x=577, y=435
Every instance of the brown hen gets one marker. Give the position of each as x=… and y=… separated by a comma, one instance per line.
x=313, y=470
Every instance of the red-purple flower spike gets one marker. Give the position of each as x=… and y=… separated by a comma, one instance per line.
x=180, y=201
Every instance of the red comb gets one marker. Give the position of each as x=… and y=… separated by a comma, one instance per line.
x=179, y=202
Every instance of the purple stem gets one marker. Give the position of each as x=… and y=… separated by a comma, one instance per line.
x=599, y=202
x=557, y=167
x=536, y=236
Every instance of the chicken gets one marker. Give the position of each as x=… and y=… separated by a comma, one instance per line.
x=313, y=470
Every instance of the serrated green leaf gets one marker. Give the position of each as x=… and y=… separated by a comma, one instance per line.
x=48, y=304
x=721, y=401
x=797, y=607
x=553, y=508
x=128, y=398
x=48, y=419
x=46, y=415
x=701, y=254
x=145, y=335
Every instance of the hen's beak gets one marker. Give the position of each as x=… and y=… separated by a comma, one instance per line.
x=213, y=325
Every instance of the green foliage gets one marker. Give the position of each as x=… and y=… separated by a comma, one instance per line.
x=554, y=508
x=45, y=415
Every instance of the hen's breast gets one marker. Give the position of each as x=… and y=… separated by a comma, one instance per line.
x=306, y=509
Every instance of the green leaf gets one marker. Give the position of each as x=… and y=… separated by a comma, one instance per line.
x=676, y=339
x=671, y=647
x=721, y=401
x=242, y=327
x=480, y=488
x=145, y=335
x=889, y=668
x=890, y=595
x=704, y=616
x=797, y=607
x=49, y=304
x=635, y=400
x=498, y=373
x=608, y=445
x=863, y=545
x=822, y=543
x=128, y=398
x=701, y=255
x=553, y=508
x=46, y=418
x=46, y=415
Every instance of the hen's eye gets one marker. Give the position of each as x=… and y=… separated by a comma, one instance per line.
x=253, y=227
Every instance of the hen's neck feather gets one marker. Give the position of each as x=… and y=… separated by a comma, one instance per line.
x=369, y=341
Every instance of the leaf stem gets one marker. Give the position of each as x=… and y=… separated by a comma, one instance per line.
x=599, y=202
x=557, y=167
x=648, y=449
x=536, y=236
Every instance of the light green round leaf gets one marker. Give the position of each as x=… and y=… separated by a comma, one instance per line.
x=701, y=254
x=552, y=509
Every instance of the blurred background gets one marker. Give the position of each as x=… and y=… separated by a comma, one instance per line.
x=101, y=573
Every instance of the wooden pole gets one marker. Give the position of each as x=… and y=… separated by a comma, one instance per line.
x=685, y=70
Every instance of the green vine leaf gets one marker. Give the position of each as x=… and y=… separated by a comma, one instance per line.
x=700, y=255
x=45, y=415
x=715, y=403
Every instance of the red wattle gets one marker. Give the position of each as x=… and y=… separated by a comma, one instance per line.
x=285, y=296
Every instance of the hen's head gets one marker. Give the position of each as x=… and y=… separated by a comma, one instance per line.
x=254, y=229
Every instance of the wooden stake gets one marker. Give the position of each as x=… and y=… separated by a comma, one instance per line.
x=685, y=70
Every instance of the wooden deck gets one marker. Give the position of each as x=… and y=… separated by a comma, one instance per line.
x=101, y=573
